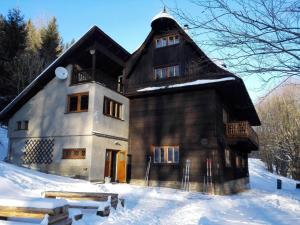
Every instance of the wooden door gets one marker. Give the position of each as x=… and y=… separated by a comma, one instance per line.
x=108, y=158
x=121, y=174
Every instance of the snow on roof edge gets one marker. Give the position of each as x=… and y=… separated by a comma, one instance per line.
x=196, y=82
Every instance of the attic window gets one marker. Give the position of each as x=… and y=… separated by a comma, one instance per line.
x=167, y=41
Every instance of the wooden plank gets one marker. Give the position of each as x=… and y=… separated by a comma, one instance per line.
x=55, y=194
x=20, y=214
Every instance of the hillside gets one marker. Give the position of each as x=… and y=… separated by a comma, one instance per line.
x=263, y=204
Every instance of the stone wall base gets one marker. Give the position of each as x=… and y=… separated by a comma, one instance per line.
x=230, y=187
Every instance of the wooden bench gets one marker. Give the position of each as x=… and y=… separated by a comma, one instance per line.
x=15, y=208
x=82, y=199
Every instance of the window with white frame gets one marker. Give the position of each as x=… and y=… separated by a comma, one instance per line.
x=162, y=73
x=166, y=41
x=166, y=154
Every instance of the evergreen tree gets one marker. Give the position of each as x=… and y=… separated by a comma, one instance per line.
x=13, y=43
x=33, y=37
x=69, y=44
x=51, y=44
x=14, y=40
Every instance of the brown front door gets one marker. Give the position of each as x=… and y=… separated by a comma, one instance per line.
x=121, y=174
x=108, y=163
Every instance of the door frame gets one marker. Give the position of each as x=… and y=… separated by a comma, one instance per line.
x=117, y=159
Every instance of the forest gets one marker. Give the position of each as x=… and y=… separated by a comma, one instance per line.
x=25, y=50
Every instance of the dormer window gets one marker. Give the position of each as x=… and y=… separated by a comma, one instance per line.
x=166, y=72
x=167, y=41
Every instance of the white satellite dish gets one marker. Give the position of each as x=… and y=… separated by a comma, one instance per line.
x=61, y=73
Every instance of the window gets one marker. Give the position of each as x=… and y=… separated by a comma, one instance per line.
x=19, y=125
x=112, y=108
x=73, y=153
x=166, y=154
x=166, y=72
x=120, y=84
x=227, y=158
x=167, y=41
x=78, y=102
x=22, y=125
x=26, y=125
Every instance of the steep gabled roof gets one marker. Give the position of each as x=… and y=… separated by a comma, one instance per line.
x=48, y=74
x=229, y=88
x=135, y=57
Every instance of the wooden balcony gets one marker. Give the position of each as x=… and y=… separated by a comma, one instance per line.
x=82, y=76
x=242, y=134
x=88, y=75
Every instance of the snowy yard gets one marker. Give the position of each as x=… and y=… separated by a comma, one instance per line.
x=263, y=204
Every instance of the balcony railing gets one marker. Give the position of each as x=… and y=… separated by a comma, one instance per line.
x=241, y=131
x=82, y=76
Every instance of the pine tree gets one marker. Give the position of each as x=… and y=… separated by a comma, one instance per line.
x=13, y=43
x=14, y=40
x=51, y=44
x=33, y=37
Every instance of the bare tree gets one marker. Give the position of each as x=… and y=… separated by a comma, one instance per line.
x=280, y=131
x=260, y=37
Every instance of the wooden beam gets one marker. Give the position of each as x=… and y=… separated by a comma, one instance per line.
x=107, y=53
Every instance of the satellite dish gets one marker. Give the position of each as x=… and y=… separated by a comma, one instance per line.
x=61, y=73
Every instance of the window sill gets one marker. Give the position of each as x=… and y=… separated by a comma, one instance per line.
x=166, y=163
x=113, y=117
x=163, y=47
x=76, y=112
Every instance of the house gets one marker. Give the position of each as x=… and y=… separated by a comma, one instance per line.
x=167, y=115
x=70, y=126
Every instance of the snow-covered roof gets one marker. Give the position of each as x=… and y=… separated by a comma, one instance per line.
x=162, y=14
x=196, y=82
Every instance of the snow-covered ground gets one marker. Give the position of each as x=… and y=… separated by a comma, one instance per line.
x=263, y=204
x=3, y=143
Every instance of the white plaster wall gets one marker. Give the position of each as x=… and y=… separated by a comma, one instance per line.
x=47, y=116
x=46, y=112
x=105, y=124
x=66, y=167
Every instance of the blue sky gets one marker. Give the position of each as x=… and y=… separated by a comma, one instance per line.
x=126, y=21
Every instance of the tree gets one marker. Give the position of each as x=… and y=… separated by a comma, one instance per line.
x=260, y=37
x=68, y=45
x=14, y=29
x=280, y=131
x=51, y=44
x=13, y=43
x=33, y=37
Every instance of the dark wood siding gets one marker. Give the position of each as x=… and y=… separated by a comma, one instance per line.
x=186, y=119
x=192, y=65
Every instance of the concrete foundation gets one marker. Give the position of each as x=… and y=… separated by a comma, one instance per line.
x=227, y=188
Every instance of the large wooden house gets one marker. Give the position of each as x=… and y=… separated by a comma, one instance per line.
x=166, y=115
x=187, y=112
